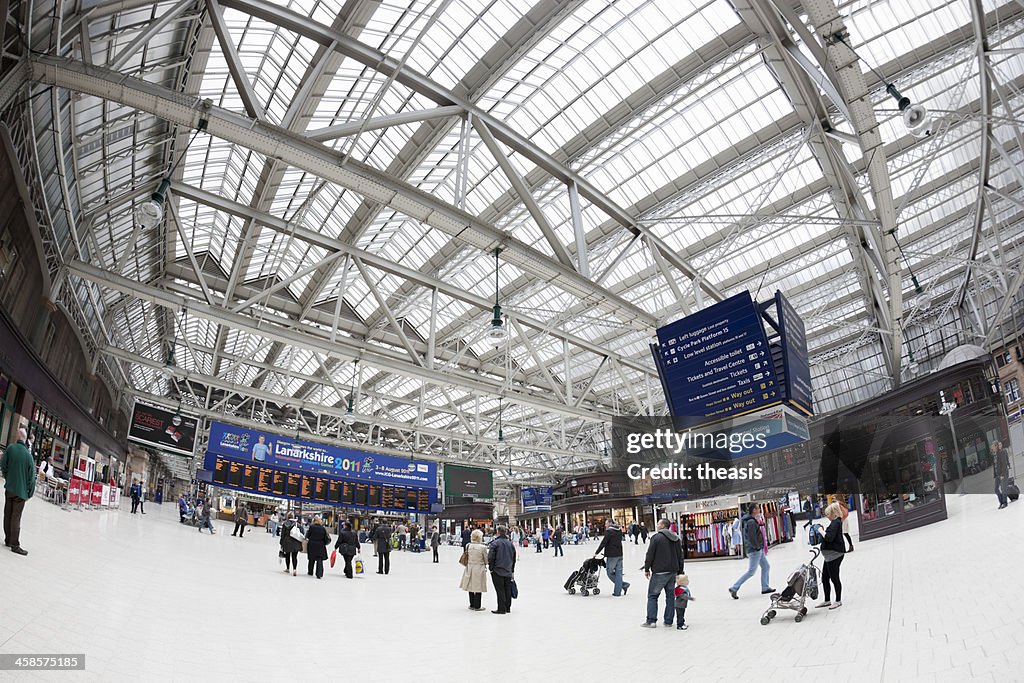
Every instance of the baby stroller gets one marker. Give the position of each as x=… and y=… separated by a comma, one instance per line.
x=585, y=577
x=802, y=584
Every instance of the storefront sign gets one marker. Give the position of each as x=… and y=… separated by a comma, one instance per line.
x=166, y=430
x=282, y=451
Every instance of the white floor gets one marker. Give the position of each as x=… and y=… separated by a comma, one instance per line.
x=146, y=598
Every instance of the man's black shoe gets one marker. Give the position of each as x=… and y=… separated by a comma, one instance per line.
x=19, y=551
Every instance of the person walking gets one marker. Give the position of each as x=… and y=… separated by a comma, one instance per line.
x=833, y=547
x=182, y=508
x=556, y=541
x=317, y=540
x=809, y=511
x=663, y=562
x=643, y=532
x=1001, y=472
x=204, y=518
x=757, y=550
x=611, y=544
x=539, y=538
x=241, y=519
x=290, y=546
x=435, y=542
x=466, y=531
x=501, y=560
x=348, y=546
x=382, y=539
x=474, y=576
x=20, y=484
x=136, y=493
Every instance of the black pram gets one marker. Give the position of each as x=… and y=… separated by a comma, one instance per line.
x=586, y=577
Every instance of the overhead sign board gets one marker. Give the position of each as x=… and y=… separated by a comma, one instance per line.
x=164, y=429
x=473, y=482
x=796, y=367
x=716, y=364
x=283, y=451
x=537, y=498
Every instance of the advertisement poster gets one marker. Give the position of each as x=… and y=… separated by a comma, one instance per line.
x=283, y=451
x=105, y=496
x=75, y=491
x=97, y=493
x=164, y=429
x=460, y=482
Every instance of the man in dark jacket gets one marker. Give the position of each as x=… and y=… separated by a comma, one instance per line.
x=611, y=544
x=753, y=538
x=663, y=562
x=435, y=541
x=19, y=471
x=136, y=494
x=1001, y=470
x=501, y=560
x=348, y=546
x=382, y=539
x=241, y=519
x=466, y=531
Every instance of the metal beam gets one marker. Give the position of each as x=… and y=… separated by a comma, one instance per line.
x=148, y=32
x=401, y=118
x=238, y=75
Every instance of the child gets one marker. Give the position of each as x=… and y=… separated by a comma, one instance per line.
x=682, y=593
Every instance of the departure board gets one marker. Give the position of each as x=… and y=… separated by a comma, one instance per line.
x=294, y=485
x=334, y=491
x=348, y=493
x=423, y=500
x=374, y=498
x=411, y=501
x=266, y=481
x=236, y=474
x=220, y=471
x=280, y=484
x=320, y=492
x=307, y=486
x=360, y=497
x=251, y=476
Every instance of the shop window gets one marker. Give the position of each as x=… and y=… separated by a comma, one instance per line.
x=1012, y=390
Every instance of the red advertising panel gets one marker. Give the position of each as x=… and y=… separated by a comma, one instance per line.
x=75, y=491
x=97, y=493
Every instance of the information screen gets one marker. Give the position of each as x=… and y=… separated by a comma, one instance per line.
x=220, y=472
x=294, y=484
x=423, y=500
x=334, y=491
x=265, y=482
x=360, y=497
x=374, y=498
x=308, y=483
x=280, y=484
x=348, y=493
x=236, y=474
x=320, y=492
x=398, y=498
x=251, y=477
x=411, y=500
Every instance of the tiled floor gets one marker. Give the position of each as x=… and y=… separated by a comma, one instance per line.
x=146, y=598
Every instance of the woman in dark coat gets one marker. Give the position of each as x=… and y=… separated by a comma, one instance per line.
x=317, y=540
x=289, y=546
x=348, y=546
x=382, y=539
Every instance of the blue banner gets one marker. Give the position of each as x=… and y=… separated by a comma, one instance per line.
x=537, y=499
x=283, y=451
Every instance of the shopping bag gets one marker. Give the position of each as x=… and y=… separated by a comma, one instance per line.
x=358, y=566
x=515, y=590
x=334, y=557
x=297, y=535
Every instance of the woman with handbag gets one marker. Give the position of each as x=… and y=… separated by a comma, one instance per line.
x=474, y=577
x=317, y=540
x=348, y=546
x=290, y=545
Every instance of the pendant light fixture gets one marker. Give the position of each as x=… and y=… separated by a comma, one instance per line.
x=350, y=415
x=497, y=333
x=150, y=213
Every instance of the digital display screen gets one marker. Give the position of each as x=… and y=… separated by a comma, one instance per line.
x=348, y=492
x=374, y=498
x=294, y=485
x=265, y=482
x=320, y=492
x=423, y=500
x=361, y=491
x=220, y=471
x=280, y=482
x=236, y=474
x=251, y=476
x=334, y=491
x=410, y=499
x=308, y=482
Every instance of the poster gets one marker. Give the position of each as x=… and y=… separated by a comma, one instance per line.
x=472, y=482
x=164, y=429
x=75, y=491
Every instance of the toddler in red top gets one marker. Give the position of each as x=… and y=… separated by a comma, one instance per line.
x=683, y=596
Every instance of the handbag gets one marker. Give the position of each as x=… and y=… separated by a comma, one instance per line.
x=464, y=560
x=334, y=557
x=296, y=534
x=515, y=590
x=358, y=567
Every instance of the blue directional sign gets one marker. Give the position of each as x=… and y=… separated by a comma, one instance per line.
x=795, y=365
x=537, y=499
x=717, y=364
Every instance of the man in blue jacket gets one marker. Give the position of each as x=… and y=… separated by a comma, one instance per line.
x=19, y=471
x=501, y=560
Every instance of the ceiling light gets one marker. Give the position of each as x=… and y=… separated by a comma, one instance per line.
x=497, y=332
x=151, y=212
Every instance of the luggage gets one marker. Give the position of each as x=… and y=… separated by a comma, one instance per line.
x=1012, y=492
x=814, y=536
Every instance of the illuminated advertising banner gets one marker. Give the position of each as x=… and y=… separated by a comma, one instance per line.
x=163, y=429
x=283, y=451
